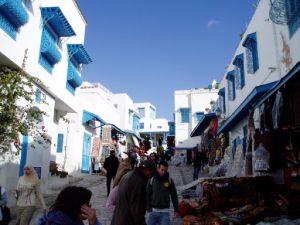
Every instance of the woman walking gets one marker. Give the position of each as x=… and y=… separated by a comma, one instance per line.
x=28, y=190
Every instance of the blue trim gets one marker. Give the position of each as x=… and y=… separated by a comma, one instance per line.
x=78, y=52
x=86, y=152
x=231, y=85
x=117, y=129
x=293, y=15
x=54, y=17
x=87, y=116
x=251, y=44
x=199, y=116
x=12, y=16
x=23, y=154
x=293, y=72
x=202, y=125
x=244, y=107
x=239, y=73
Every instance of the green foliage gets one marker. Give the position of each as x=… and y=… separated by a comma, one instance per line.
x=17, y=112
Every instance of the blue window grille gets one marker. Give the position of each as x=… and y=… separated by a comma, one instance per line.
x=60, y=143
x=199, y=115
x=231, y=85
x=12, y=16
x=250, y=44
x=73, y=78
x=185, y=115
x=142, y=126
x=38, y=96
x=141, y=112
x=135, y=123
x=55, y=25
x=238, y=62
x=77, y=57
x=293, y=15
x=222, y=102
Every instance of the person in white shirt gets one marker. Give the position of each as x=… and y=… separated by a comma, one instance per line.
x=28, y=191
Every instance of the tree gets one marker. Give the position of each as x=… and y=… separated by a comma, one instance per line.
x=17, y=112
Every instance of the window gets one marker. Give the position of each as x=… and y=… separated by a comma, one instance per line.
x=293, y=15
x=142, y=125
x=60, y=143
x=12, y=16
x=222, y=100
x=55, y=26
x=152, y=113
x=135, y=123
x=250, y=44
x=231, y=85
x=238, y=62
x=185, y=115
x=77, y=57
x=141, y=112
x=38, y=96
x=199, y=116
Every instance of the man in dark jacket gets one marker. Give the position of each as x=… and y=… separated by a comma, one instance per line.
x=131, y=200
x=159, y=190
x=111, y=165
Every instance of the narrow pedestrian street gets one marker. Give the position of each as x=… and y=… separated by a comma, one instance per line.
x=97, y=184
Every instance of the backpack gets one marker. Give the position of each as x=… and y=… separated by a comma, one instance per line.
x=5, y=211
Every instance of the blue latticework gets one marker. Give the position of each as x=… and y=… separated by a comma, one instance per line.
x=239, y=71
x=278, y=12
x=78, y=52
x=286, y=12
x=250, y=44
x=49, y=52
x=73, y=78
x=54, y=17
x=231, y=85
x=12, y=16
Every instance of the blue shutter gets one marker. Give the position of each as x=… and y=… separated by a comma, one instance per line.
x=251, y=53
x=185, y=115
x=239, y=71
x=231, y=85
x=60, y=143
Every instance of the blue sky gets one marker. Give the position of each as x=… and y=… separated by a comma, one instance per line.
x=150, y=48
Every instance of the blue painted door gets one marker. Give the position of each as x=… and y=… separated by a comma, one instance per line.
x=86, y=149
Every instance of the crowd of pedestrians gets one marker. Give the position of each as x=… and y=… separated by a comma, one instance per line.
x=140, y=195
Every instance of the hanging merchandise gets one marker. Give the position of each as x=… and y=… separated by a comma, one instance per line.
x=261, y=159
x=277, y=110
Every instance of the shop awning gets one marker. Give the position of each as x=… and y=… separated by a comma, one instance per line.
x=292, y=74
x=116, y=129
x=189, y=143
x=243, y=109
x=202, y=125
x=87, y=116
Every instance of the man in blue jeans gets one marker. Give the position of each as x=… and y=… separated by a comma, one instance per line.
x=159, y=190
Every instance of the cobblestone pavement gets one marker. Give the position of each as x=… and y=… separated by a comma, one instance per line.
x=97, y=184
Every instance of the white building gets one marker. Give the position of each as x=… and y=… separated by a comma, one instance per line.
x=53, y=32
x=190, y=106
x=150, y=126
x=265, y=61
